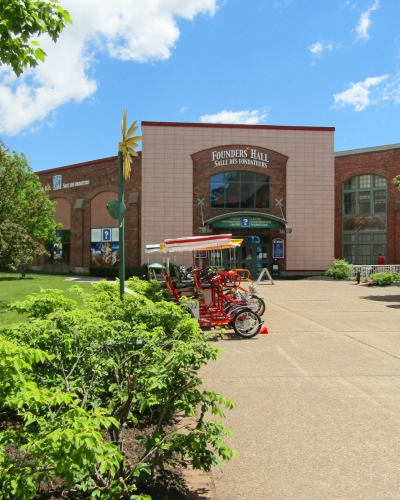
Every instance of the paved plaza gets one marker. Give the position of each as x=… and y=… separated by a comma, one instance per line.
x=318, y=399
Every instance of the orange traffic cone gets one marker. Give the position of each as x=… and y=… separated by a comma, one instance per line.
x=264, y=330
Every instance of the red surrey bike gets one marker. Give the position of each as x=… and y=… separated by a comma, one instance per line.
x=213, y=306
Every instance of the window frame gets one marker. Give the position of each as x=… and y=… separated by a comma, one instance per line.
x=256, y=185
x=356, y=243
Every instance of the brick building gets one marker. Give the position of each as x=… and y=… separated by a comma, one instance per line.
x=367, y=205
x=271, y=185
x=89, y=235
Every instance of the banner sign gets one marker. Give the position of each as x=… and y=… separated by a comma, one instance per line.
x=278, y=248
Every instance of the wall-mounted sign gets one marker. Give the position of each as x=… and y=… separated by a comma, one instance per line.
x=115, y=233
x=278, y=248
x=58, y=184
x=76, y=184
x=201, y=254
x=250, y=222
x=246, y=156
x=104, y=254
x=104, y=247
x=106, y=234
x=245, y=221
x=96, y=235
x=57, y=181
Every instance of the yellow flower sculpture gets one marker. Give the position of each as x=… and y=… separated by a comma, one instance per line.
x=128, y=145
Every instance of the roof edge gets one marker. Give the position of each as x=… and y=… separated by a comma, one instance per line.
x=83, y=164
x=374, y=149
x=236, y=125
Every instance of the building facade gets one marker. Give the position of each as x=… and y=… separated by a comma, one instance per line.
x=89, y=235
x=273, y=186
x=367, y=205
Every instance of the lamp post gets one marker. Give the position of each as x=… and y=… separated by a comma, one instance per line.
x=117, y=208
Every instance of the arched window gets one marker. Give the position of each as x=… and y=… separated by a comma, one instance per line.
x=239, y=189
x=364, y=218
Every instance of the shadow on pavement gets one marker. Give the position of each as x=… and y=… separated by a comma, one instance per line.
x=383, y=298
x=199, y=494
x=229, y=337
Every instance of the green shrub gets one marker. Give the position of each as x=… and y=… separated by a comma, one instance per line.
x=150, y=289
x=382, y=279
x=40, y=305
x=73, y=379
x=341, y=270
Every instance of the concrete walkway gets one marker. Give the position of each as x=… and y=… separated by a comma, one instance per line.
x=318, y=399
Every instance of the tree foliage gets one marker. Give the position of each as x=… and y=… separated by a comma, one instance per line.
x=20, y=22
x=99, y=371
x=26, y=212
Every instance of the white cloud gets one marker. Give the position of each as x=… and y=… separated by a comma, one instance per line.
x=245, y=117
x=364, y=23
x=360, y=95
x=136, y=31
x=318, y=48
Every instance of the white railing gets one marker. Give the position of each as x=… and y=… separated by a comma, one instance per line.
x=365, y=271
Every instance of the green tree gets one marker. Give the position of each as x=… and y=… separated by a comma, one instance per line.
x=26, y=212
x=22, y=20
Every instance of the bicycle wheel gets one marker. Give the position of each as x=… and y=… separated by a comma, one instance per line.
x=257, y=305
x=246, y=324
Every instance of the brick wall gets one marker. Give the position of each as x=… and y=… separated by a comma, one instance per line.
x=102, y=176
x=385, y=163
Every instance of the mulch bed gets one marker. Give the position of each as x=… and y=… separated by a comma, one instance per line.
x=167, y=484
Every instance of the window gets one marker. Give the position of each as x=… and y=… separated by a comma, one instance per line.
x=239, y=189
x=364, y=203
x=379, y=181
x=350, y=183
x=365, y=195
x=60, y=250
x=379, y=201
x=364, y=218
x=349, y=203
x=365, y=181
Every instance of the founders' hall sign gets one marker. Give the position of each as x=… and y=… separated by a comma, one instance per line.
x=240, y=156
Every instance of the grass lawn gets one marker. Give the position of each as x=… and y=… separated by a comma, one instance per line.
x=14, y=288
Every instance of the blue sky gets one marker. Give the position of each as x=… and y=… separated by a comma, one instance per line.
x=274, y=62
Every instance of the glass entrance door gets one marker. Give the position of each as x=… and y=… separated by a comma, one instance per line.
x=253, y=255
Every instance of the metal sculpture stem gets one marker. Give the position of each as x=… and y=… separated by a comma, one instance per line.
x=121, y=227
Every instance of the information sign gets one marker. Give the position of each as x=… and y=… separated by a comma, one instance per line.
x=106, y=234
x=96, y=235
x=253, y=222
x=245, y=221
x=115, y=233
x=278, y=248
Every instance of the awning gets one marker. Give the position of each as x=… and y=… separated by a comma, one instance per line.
x=233, y=244
x=152, y=248
x=196, y=243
